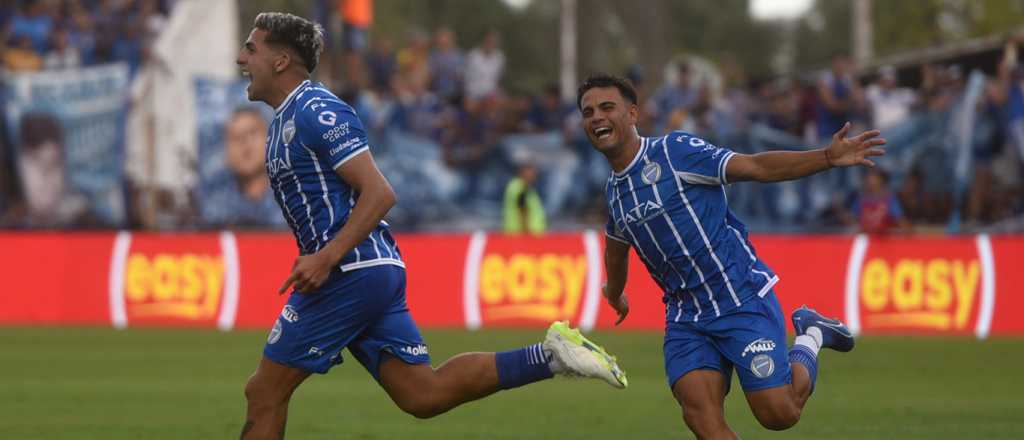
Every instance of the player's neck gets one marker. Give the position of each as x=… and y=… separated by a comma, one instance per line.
x=284, y=87
x=621, y=157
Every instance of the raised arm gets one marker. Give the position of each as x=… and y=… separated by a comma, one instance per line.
x=777, y=166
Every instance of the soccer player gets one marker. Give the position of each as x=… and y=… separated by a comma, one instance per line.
x=666, y=199
x=349, y=279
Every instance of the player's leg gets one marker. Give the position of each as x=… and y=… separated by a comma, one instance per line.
x=267, y=394
x=393, y=351
x=701, y=394
x=307, y=337
x=699, y=377
x=777, y=382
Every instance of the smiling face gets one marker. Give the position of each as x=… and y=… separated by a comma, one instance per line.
x=257, y=61
x=608, y=118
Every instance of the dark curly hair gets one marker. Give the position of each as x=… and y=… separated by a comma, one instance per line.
x=296, y=33
x=602, y=80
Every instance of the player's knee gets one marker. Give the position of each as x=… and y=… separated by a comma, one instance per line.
x=421, y=407
x=704, y=422
x=779, y=419
x=258, y=393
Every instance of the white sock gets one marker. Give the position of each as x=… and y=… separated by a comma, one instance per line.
x=811, y=340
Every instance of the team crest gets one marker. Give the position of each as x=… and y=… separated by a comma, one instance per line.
x=762, y=366
x=650, y=173
x=288, y=132
x=275, y=333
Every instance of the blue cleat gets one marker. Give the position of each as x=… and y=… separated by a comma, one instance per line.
x=834, y=333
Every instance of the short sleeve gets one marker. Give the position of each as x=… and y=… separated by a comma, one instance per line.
x=696, y=160
x=612, y=232
x=332, y=130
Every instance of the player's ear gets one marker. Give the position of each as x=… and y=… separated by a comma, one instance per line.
x=634, y=114
x=282, y=61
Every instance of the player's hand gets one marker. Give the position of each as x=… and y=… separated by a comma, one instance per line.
x=308, y=273
x=620, y=304
x=845, y=152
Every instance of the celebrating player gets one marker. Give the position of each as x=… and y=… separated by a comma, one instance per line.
x=349, y=279
x=666, y=199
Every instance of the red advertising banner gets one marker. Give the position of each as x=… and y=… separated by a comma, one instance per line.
x=879, y=285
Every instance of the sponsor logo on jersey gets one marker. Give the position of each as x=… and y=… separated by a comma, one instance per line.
x=762, y=366
x=344, y=146
x=761, y=345
x=641, y=213
x=277, y=165
x=327, y=118
x=336, y=133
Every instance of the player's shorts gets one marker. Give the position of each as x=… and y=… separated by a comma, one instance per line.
x=750, y=338
x=363, y=310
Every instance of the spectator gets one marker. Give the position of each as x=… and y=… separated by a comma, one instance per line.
x=413, y=66
x=61, y=55
x=21, y=57
x=672, y=104
x=245, y=201
x=839, y=97
x=523, y=210
x=381, y=64
x=876, y=210
x=484, y=67
x=547, y=112
x=35, y=23
x=889, y=104
x=446, y=65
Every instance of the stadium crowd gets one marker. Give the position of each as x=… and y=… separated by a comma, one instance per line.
x=449, y=137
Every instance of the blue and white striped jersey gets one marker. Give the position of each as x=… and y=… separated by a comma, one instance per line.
x=670, y=205
x=313, y=133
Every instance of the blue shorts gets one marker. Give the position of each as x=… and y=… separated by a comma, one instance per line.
x=751, y=338
x=363, y=310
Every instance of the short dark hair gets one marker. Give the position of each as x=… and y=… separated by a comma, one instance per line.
x=603, y=80
x=296, y=33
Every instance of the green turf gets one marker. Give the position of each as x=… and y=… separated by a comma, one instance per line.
x=172, y=384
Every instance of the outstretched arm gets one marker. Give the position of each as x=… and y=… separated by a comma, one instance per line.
x=616, y=267
x=776, y=166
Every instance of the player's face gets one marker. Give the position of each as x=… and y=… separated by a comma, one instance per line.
x=608, y=119
x=256, y=60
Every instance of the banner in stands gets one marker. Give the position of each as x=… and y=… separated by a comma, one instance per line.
x=879, y=285
x=67, y=127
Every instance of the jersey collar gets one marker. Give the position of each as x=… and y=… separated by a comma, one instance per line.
x=639, y=154
x=291, y=95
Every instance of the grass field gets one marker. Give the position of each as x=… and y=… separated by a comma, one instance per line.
x=86, y=383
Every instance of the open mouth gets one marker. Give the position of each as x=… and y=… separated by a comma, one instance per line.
x=602, y=133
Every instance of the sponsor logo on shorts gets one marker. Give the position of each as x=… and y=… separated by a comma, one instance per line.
x=315, y=351
x=289, y=314
x=275, y=333
x=415, y=350
x=761, y=345
x=762, y=366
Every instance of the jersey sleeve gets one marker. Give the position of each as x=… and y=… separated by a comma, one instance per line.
x=613, y=232
x=696, y=160
x=332, y=130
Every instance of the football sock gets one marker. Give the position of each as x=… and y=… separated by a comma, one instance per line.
x=523, y=366
x=805, y=352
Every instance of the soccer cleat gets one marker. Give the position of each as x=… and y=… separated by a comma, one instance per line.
x=581, y=357
x=834, y=333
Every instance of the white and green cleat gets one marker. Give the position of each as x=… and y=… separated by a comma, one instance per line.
x=581, y=357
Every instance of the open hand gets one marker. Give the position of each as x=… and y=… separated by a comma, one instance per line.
x=845, y=152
